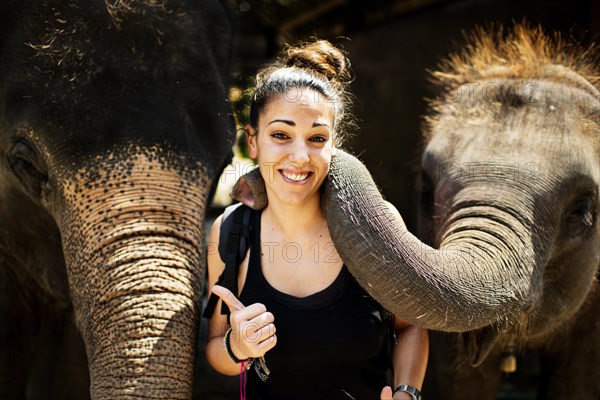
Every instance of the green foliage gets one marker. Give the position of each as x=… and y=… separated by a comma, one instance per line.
x=240, y=96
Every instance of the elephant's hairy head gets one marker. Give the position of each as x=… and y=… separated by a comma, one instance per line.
x=150, y=11
x=521, y=55
x=75, y=42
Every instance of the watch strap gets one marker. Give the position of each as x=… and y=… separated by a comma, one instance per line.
x=413, y=391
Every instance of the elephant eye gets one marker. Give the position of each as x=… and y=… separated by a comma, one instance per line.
x=25, y=163
x=581, y=215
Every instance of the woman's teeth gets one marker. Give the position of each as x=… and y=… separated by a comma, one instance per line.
x=295, y=176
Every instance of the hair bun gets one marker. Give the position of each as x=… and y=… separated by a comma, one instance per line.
x=322, y=57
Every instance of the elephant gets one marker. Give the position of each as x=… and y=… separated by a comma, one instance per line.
x=114, y=123
x=508, y=215
x=516, y=134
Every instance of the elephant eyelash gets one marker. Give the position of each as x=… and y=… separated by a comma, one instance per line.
x=584, y=204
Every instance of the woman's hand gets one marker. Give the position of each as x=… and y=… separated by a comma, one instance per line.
x=252, y=328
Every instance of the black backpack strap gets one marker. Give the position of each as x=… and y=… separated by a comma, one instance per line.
x=234, y=240
x=236, y=225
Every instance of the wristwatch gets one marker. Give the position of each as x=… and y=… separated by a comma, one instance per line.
x=415, y=393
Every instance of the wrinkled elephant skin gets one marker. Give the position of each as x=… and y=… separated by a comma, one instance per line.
x=114, y=124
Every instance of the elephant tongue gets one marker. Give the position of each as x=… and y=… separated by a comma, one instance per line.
x=479, y=343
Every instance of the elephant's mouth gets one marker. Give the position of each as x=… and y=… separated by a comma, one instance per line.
x=479, y=343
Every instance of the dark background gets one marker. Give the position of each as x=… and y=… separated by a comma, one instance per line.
x=391, y=44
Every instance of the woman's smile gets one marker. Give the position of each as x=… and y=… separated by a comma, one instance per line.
x=295, y=177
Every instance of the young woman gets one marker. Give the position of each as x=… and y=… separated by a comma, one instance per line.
x=298, y=310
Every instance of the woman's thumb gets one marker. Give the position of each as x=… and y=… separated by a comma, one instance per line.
x=386, y=393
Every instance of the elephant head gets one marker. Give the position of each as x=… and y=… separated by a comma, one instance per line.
x=515, y=136
x=114, y=123
x=509, y=205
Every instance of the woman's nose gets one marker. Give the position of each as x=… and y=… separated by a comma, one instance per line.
x=299, y=153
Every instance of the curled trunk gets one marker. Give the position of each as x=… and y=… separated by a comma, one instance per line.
x=473, y=280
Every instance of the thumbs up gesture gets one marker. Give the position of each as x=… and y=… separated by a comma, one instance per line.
x=252, y=327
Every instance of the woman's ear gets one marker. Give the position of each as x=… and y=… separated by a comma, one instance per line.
x=251, y=137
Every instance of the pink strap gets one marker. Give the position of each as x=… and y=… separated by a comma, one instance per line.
x=243, y=380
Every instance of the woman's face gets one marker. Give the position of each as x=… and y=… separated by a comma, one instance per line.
x=294, y=145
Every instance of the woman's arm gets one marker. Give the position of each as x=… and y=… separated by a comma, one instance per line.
x=253, y=331
x=410, y=355
x=411, y=350
x=217, y=325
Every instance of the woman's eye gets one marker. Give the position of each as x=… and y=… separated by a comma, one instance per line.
x=318, y=139
x=279, y=135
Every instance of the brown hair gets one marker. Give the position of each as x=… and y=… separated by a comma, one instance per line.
x=315, y=65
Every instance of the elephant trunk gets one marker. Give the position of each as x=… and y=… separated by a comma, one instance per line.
x=473, y=280
x=133, y=250
x=140, y=331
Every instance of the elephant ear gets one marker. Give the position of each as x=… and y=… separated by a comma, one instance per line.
x=250, y=190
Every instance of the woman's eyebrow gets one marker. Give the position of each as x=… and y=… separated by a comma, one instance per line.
x=316, y=124
x=285, y=121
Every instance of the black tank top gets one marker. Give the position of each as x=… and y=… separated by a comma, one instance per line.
x=333, y=344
